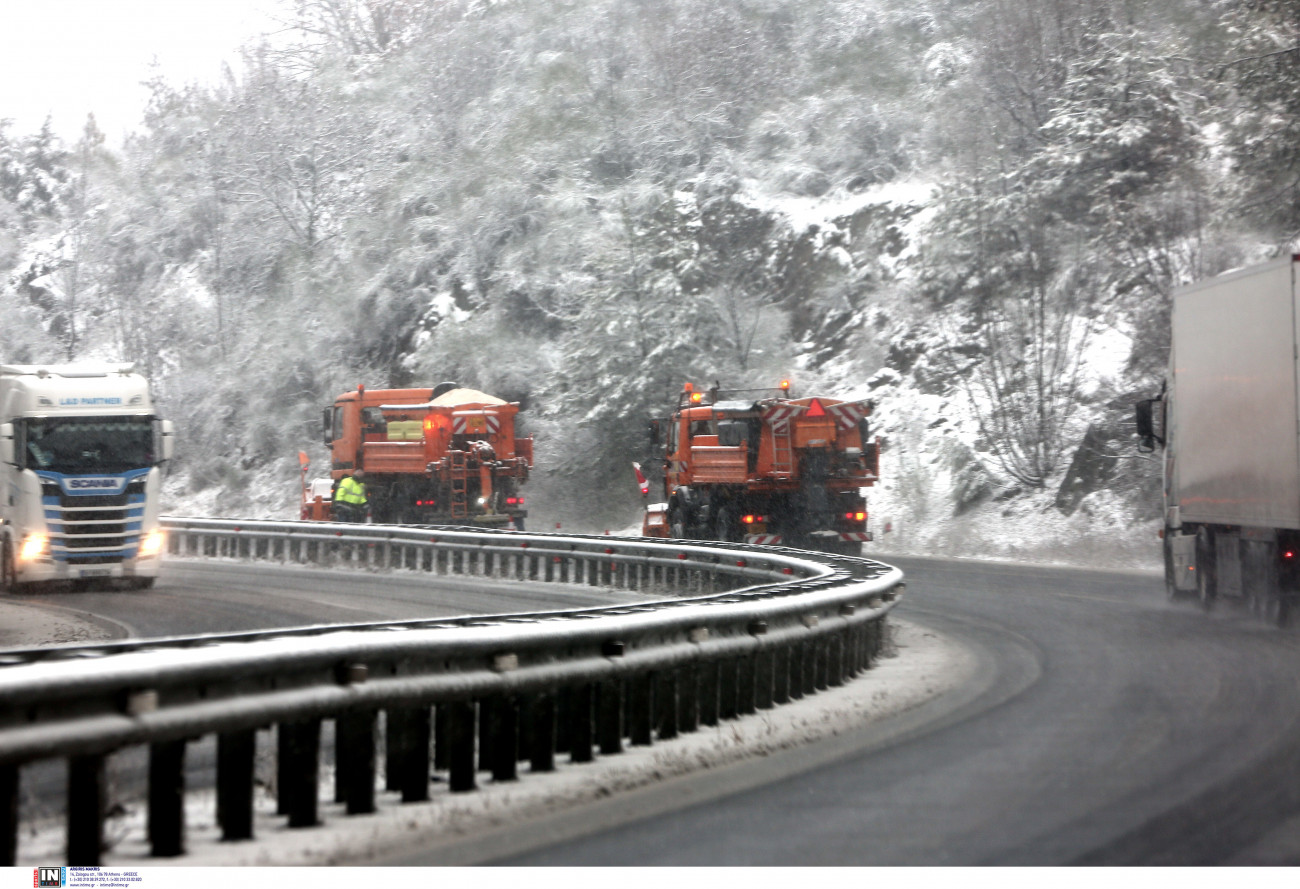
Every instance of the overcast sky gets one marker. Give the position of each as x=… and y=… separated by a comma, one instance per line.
x=67, y=58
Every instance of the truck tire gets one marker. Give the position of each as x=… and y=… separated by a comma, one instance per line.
x=1207, y=587
x=725, y=526
x=676, y=522
x=8, y=575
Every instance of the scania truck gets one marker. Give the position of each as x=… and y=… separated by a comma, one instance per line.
x=1228, y=421
x=81, y=448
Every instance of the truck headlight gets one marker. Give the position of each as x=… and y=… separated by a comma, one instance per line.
x=151, y=544
x=34, y=547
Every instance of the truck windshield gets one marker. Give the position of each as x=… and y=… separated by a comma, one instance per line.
x=81, y=445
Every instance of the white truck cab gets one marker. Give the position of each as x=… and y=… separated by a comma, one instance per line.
x=80, y=455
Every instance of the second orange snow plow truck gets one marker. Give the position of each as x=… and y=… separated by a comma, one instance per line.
x=757, y=466
x=436, y=456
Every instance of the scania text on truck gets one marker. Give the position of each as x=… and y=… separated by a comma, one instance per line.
x=759, y=466
x=1228, y=420
x=81, y=448
x=442, y=455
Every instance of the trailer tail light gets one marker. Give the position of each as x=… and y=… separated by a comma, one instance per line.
x=1289, y=554
x=514, y=501
x=856, y=516
x=753, y=519
x=426, y=503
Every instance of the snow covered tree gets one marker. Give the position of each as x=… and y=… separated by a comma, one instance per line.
x=1263, y=124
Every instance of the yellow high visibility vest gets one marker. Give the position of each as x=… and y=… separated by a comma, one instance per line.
x=351, y=491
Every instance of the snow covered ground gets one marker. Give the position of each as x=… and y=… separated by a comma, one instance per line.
x=918, y=666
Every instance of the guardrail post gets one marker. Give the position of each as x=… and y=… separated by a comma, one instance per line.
x=505, y=739
x=85, y=810
x=666, y=705
x=640, y=704
x=440, y=759
x=821, y=668
x=728, y=682
x=460, y=743
x=235, y=762
x=708, y=674
x=407, y=752
x=8, y=815
x=688, y=698
x=167, y=798
x=354, y=760
x=746, y=684
x=540, y=720
x=781, y=674
x=300, y=770
x=808, y=667
x=764, y=679
x=609, y=716
x=835, y=660
x=580, y=729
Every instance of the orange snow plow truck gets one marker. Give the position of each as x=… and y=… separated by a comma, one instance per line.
x=446, y=455
x=758, y=466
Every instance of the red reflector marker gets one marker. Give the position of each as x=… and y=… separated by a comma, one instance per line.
x=682, y=556
x=787, y=571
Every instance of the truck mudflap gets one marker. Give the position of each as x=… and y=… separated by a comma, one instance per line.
x=1182, y=552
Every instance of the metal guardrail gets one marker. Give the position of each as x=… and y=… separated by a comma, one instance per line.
x=757, y=627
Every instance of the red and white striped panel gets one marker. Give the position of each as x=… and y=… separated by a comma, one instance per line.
x=463, y=422
x=859, y=536
x=778, y=416
x=848, y=414
x=763, y=539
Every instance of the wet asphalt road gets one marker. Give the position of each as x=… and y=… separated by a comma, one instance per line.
x=1106, y=726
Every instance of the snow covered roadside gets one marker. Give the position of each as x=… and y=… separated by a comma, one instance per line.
x=918, y=666
x=27, y=625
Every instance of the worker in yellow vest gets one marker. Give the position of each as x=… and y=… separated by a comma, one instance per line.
x=350, y=498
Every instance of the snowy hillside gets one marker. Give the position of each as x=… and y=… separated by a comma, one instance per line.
x=971, y=212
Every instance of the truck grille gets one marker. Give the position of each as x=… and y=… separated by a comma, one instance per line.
x=95, y=529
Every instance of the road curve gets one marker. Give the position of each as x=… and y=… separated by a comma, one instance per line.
x=1105, y=727
x=205, y=596
x=1101, y=726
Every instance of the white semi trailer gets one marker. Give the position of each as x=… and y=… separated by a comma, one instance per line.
x=1229, y=422
x=80, y=451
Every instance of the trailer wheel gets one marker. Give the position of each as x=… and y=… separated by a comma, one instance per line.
x=1206, y=573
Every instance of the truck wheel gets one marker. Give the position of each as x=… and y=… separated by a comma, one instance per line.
x=1171, y=590
x=8, y=576
x=725, y=525
x=1206, y=574
x=676, y=522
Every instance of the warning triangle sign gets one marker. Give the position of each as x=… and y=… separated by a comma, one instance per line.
x=815, y=409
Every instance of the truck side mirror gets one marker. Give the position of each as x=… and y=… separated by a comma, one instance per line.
x=7, y=443
x=165, y=432
x=327, y=426
x=1145, y=416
